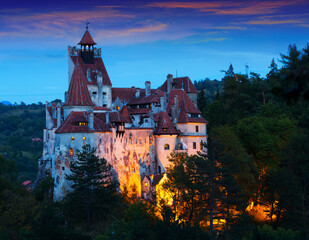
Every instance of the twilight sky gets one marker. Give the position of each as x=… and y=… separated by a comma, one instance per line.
x=142, y=40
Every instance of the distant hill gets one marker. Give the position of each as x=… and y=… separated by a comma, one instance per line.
x=21, y=133
x=6, y=103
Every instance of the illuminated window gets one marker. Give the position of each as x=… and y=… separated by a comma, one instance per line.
x=196, y=128
x=194, y=145
x=164, y=129
x=117, y=107
x=179, y=146
x=81, y=123
x=84, y=138
x=201, y=145
x=146, y=184
x=71, y=152
x=166, y=147
x=73, y=138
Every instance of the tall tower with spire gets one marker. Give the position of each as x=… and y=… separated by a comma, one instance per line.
x=92, y=70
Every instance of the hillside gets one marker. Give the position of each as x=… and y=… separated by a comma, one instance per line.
x=21, y=129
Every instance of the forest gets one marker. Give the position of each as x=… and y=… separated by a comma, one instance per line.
x=252, y=182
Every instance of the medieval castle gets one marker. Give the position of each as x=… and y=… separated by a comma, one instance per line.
x=134, y=129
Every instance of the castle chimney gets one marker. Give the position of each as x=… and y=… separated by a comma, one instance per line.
x=162, y=103
x=175, y=109
x=58, y=115
x=107, y=118
x=147, y=88
x=169, y=82
x=91, y=120
x=137, y=93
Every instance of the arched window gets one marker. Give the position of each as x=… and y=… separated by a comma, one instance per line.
x=166, y=147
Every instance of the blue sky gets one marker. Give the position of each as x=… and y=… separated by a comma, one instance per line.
x=142, y=40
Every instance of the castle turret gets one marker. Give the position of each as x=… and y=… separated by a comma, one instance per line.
x=87, y=47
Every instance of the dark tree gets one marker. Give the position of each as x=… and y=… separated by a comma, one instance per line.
x=93, y=186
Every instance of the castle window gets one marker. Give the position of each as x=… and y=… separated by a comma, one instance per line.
x=84, y=138
x=196, y=129
x=73, y=138
x=179, y=146
x=106, y=150
x=117, y=107
x=94, y=93
x=104, y=93
x=104, y=105
x=201, y=145
x=166, y=147
x=71, y=152
x=194, y=145
x=146, y=184
x=164, y=129
x=100, y=140
x=159, y=169
x=62, y=168
x=81, y=123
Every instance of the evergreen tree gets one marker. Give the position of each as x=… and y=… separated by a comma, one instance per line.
x=93, y=186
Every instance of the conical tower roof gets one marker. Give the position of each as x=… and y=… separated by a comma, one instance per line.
x=87, y=39
x=78, y=94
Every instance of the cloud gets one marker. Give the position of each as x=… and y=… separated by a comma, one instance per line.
x=229, y=28
x=230, y=8
x=210, y=40
x=272, y=22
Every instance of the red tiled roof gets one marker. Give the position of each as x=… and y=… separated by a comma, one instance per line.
x=184, y=118
x=165, y=123
x=127, y=95
x=101, y=108
x=68, y=125
x=154, y=97
x=185, y=105
x=124, y=94
x=181, y=83
x=125, y=113
x=184, y=102
x=86, y=39
x=78, y=94
x=117, y=117
x=95, y=68
x=139, y=111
